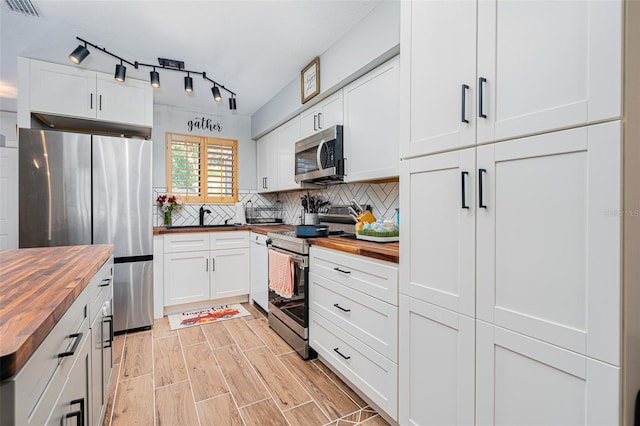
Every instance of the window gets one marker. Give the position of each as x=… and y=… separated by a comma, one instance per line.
x=202, y=169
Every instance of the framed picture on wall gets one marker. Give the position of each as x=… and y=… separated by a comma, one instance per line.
x=310, y=80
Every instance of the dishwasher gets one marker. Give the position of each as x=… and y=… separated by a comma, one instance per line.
x=259, y=292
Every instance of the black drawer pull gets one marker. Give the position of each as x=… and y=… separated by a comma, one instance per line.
x=341, y=270
x=341, y=308
x=464, y=191
x=78, y=337
x=481, y=203
x=78, y=414
x=481, y=82
x=109, y=319
x=105, y=282
x=463, y=117
x=338, y=352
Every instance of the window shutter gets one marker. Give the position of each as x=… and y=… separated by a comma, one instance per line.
x=221, y=171
x=185, y=169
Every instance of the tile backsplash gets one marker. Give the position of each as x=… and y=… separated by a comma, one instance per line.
x=384, y=198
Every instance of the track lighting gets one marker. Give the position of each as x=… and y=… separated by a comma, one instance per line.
x=188, y=84
x=79, y=54
x=216, y=93
x=121, y=72
x=155, y=78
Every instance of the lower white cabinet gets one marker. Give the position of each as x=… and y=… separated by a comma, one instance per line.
x=520, y=379
x=191, y=274
x=437, y=365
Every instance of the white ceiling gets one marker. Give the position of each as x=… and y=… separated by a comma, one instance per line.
x=255, y=47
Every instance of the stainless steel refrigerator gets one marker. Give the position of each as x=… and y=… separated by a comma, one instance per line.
x=90, y=189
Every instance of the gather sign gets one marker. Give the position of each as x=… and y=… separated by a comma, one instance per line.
x=203, y=123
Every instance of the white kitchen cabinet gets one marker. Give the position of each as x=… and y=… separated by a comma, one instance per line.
x=520, y=379
x=186, y=277
x=321, y=116
x=437, y=365
x=267, y=162
x=76, y=92
x=438, y=63
x=541, y=77
x=371, y=124
x=438, y=230
x=288, y=134
x=527, y=78
x=229, y=273
x=259, y=258
x=548, y=250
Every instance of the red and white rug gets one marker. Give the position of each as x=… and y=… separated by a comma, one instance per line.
x=205, y=316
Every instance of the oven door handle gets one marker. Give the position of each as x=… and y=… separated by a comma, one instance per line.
x=300, y=260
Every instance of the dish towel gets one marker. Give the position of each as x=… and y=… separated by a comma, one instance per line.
x=281, y=273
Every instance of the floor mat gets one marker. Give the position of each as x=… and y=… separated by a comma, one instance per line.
x=204, y=316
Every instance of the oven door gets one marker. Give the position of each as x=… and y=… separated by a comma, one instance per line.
x=294, y=311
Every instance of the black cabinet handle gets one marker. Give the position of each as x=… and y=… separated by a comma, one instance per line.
x=319, y=126
x=213, y=264
x=464, y=191
x=105, y=282
x=78, y=337
x=100, y=102
x=481, y=82
x=315, y=119
x=78, y=414
x=463, y=118
x=338, y=352
x=341, y=308
x=109, y=319
x=480, y=195
x=341, y=270
x=91, y=102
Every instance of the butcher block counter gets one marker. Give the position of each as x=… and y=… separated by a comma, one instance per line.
x=383, y=251
x=37, y=287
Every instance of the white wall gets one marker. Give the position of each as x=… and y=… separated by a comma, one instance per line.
x=373, y=41
x=8, y=182
x=175, y=120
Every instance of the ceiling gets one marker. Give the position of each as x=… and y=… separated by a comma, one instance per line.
x=254, y=47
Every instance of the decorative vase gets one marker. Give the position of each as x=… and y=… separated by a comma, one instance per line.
x=167, y=218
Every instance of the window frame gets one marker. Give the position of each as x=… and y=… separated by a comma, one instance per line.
x=204, y=143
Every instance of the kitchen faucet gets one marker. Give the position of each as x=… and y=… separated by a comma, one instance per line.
x=202, y=212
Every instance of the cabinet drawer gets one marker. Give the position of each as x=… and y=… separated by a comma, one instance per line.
x=370, y=320
x=371, y=372
x=176, y=243
x=100, y=287
x=228, y=240
x=375, y=278
x=45, y=370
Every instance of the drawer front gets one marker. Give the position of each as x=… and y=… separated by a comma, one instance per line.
x=228, y=240
x=100, y=288
x=371, y=372
x=175, y=243
x=372, y=321
x=375, y=278
x=45, y=370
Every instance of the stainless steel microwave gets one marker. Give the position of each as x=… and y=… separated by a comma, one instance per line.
x=319, y=157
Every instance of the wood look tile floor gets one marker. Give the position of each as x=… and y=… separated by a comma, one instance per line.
x=235, y=372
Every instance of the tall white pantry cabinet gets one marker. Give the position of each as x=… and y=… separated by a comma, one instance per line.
x=519, y=276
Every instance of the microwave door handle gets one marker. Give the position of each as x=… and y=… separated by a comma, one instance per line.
x=319, y=154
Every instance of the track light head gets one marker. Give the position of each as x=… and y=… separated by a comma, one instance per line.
x=216, y=94
x=121, y=72
x=155, y=78
x=232, y=103
x=188, y=84
x=79, y=54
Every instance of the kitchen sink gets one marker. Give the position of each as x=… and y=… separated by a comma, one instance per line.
x=200, y=226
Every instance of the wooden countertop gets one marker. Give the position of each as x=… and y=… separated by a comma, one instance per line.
x=383, y=251
x=37, y=286
x=261, y=229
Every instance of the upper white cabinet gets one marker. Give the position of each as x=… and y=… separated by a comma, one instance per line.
x=267, y=162
x=288, y=135
x=75, y=92
x=322, y=115
x=371, y=124
x=527, y=77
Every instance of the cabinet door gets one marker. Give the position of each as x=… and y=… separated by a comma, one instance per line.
x=186, y=277
x=548, y=253
x=437, y=230
x=229, y=273
x=288, y=135
x=438, y=41
x=522, y=379
x=322, y=116
x=63, y=90
x=548, y=65
x=130, y=102
x=262, y=165
x=437, y=362
x=308, y=122
x=97, y=397
x=371, y=117
x=259, y=271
